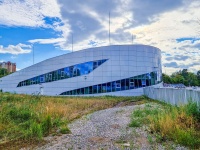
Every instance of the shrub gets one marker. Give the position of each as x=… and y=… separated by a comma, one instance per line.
x=65, y=130
x=47, y=125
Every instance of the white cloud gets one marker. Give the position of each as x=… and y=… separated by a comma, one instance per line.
x=157, y=23
x=15, y=49
x=48, y=41
x=28, y=13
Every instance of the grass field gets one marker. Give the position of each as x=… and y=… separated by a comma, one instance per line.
x=25, y=120
x=28, y=119
x=166, y=122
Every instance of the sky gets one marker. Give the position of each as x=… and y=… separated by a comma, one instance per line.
x=46, y=28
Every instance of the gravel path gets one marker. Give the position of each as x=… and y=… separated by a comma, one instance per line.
x=105, y=129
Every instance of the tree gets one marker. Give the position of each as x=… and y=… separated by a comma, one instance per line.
x=183, y=76
x=3, y=72
x=198, y=75
x=166, y=78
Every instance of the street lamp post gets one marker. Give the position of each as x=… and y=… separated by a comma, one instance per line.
x=33, y=52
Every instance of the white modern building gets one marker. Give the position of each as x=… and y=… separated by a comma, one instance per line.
x=121, y=70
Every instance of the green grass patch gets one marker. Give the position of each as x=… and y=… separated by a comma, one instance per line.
x=180, y=124
x=30, y=118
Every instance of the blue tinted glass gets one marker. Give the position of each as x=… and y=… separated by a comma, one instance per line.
x=72, y=71
x=99, y=62
x=94, y=89
x=75, y=71
x=113, y=86
x=66, y=70
x=124, y=84
x=104, y=88
x=71, y=68
x=82, y=69
x=108, y=87
x=95, y=64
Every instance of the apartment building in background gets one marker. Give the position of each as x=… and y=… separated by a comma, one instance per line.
x=11, y=67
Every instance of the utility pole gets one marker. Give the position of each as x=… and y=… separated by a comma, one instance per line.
x=109, y=27
x=72, y=42
x=33, y=52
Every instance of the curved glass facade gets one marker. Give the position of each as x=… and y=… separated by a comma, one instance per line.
x=63, y=73
x=135, y=82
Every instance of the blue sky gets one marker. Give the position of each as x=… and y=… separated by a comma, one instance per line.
x=47, y=26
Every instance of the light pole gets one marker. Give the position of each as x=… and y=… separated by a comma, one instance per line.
x=33, y=52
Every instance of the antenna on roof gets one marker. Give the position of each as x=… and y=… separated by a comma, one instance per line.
x=109, y=27
x=72, y=42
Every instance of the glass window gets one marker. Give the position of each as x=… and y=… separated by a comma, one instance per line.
x=27, y=82
x=62, y=74
x=99, y=62
x=99, y=89
x=37, y=80
x=139, y=83
x=136, y=83
x=33, y=80
x=75, y=71
x=108, y=87
x=147, y=81
x=72, y=71
x=78, y=70
x=59, y=74
x=94, y=89
x=123, y=84
x=70, y=92
x=104, y=88
x=73, y=92
x=78, y=91
x=90, y=90
x=113, y=86
x=82, y=91
x=144, y=82
x=54, y=75
x=89, y=67
x=152, y=81
x=86, y=90
x=71, y=68
x=50, y=77
x=118, y=85
x=95, y=64
x=47, y=77
x=127, y=84
x=82, y=69
x=67, y=74
x=148, y=76
x=41, y=78
x=103, y=61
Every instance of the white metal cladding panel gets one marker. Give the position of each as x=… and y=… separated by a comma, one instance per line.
x=119, y=66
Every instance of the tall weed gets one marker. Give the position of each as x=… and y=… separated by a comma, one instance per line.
x=180, y=124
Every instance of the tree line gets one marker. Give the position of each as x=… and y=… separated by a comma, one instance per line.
x=184, y=77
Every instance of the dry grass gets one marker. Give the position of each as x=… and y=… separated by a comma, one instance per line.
x=179, y=124
x=29, y=118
